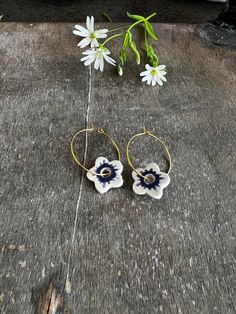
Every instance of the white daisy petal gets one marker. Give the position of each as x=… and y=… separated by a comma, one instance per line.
x=163, y=78
x=146, y=78
x=92, y=24
x=84, y=42
x=88, y=23
x=148, y=67
x=109, y=59
x=97, y=63
x=149, y=80
x=89, y=61
x=85, y=58
x=102, y=31
x=153, y=81
x=144, y=73
x=78, y=33
x=161, y=67
x=82, y=29
x=101, y=64
x=100, y=35
x=159, y=81
x=94, y=43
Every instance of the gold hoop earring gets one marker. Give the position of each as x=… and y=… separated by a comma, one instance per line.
x=149, y=180
x=105, y=174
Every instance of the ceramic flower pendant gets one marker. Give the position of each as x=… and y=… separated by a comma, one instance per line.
x=112, y=174
x=153, y=183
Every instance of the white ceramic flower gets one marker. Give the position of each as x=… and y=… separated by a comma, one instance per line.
x=153, y=183
x=154, y=75
x=91, y=35
x=97, y=55
x=112, y=171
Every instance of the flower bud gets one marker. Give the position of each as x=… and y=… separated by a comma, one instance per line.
x=119, y=69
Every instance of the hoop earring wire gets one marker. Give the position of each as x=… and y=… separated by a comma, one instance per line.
x=100, y=131
x=148, y=133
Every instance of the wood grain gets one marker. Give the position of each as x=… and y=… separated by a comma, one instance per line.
x=119, y=252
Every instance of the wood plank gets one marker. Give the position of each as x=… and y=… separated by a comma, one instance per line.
x=67, y=249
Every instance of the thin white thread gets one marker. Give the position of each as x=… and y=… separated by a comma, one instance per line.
x=68, y=284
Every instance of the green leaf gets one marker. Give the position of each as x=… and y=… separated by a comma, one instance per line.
x=135, y=52
x=149, y=29
x=136, y=17
x=126, y=39
x=107, y=17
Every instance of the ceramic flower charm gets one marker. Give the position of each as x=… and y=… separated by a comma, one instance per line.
x=153, y=183
x=112, y=174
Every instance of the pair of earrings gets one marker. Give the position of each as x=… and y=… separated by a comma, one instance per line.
x=108, y=174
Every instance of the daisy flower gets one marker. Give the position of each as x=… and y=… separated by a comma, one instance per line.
x=97, y=55
x=113, y=177
x=154, y=75
x=90, y=34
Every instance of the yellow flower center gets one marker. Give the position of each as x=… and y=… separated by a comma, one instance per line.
x=92, y=35
x=153, y=72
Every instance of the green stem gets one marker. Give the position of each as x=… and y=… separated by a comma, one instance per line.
x=141, y=21
x=117, y=29
x=146, y=39
x=110, y=38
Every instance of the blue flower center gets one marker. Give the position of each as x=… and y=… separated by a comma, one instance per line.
x=108, y=171
x=151, y=179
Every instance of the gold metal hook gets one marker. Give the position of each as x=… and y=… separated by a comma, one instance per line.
x=91, y=129
x=148, y=133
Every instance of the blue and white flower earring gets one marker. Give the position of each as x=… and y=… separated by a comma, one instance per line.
x=105, y=174
x=149, y=180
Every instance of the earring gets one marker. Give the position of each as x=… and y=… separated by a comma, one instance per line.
x=149, y=180
x=105, y=174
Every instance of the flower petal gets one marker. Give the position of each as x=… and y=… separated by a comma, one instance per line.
x=94, y=43
x=157, y=194
x=144, y=73
x=84, y=42
x=153, y=166
x=109, y=59
x=82, y=29
x=90, y=176
x=148, y=67
x=89, y=61
x=138, y=189
x=117, y=182
x=97, y=63
x=161, y=67
x=146, y=78
x=100, y=161
x=159, y=81
x=153, y=81
x=101, y=64
x=163, y=78
x=165, y=180
x=80, y=34
x=101, y=188
x=118, y=166
x=100, y=34
x=135, y=175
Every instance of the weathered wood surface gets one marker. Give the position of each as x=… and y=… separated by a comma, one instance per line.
x=67, y=249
